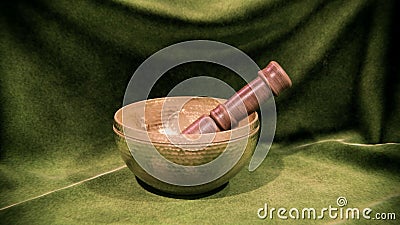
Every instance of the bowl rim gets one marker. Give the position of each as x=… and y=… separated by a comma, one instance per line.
x=159, y=143
x=222, y=136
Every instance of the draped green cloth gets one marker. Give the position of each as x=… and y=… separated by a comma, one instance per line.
x=64, y=67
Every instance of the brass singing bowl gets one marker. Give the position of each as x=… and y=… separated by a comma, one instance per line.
x=142, y=130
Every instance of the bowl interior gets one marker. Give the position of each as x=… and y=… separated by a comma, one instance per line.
x=157, y=120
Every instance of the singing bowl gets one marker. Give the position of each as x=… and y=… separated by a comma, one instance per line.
x=142, y=131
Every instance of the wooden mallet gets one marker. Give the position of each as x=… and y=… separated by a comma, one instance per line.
x=244, y=102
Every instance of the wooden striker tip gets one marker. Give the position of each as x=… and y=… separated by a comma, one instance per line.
x=276, y=77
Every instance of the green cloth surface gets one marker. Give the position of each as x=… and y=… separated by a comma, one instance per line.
x=64, y=67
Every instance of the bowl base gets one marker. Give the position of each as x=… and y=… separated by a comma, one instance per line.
x=169, y=195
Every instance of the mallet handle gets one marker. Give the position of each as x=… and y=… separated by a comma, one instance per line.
x=244, y=102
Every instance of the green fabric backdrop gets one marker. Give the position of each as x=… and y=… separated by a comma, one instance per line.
x=64, y=66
